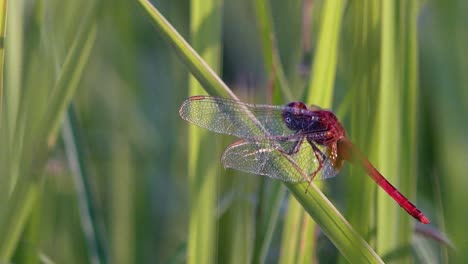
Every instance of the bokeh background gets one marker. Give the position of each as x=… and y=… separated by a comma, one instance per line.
x=95, y=163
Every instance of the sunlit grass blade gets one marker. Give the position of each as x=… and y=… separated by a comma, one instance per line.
x=388, y=127
x=3, y=13
x=361, y=54
x=353, y=247
x=204, y=178
x=323, y=72
x=408, y=70
x=320, y=92
x=292, y=229
x=13, y=62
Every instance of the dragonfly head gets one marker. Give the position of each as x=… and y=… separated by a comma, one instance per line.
x=292, y=115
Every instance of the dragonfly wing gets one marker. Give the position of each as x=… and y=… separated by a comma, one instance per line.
x=236, y=118
x=270, y=158
x=328, y=171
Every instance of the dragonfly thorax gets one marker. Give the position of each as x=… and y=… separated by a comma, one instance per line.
x=332, y=129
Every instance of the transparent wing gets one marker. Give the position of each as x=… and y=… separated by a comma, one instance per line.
x=236, y=118
x=270, y=158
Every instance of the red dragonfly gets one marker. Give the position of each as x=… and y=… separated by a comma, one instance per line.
x=277, y=141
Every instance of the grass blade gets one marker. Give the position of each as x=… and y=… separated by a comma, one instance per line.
x=76, y=161
x=333, y=225
x=3, y=13
x=388, y=130
x=326, y=55
x=320, y=92
x=197, y=66
x=271, y=57
x=203, y=175
x=363, y=79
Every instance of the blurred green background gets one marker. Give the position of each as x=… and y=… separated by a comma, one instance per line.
x=94, y=158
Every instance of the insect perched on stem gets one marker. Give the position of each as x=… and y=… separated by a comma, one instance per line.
x=277, y=141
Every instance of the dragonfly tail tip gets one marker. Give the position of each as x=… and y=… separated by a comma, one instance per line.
x=424, y=220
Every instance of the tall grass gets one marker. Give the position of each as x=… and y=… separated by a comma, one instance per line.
x=34, y=108
x=120, y=178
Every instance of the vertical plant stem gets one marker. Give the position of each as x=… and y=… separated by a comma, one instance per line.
x=388, y=129
x=326, y=55
x=364, y=81
x=122, y=196
x=271, y=57
x=13, y=62
x=205, y=29
x=80, y=174
x=321, y=93
x=291, y=233
x=270, y=204
x=3, y=21
x=448, y=108
x=408, y=61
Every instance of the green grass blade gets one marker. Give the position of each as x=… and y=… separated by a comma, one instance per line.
x=271, y=57
x=198, y=67
x=13, y=62
x=272, y=193
x=21, y=203
x=270, y=205
x=123, y=194
x=326, y=55
x=81, y=178
x=292, y=229
x=237, y=225
x=202, y=172
x=320, y=92
x=408, y=69
x=3, y=12
x=363, y=80
x=334, y=226
x=70, y=76
x=388, y=130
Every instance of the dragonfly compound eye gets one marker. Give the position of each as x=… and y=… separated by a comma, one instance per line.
x=297, y=105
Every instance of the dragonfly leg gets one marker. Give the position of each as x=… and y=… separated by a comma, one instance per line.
x=295, y=148
x=320, y=158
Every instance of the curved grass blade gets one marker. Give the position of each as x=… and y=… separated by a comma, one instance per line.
x=197, y=66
